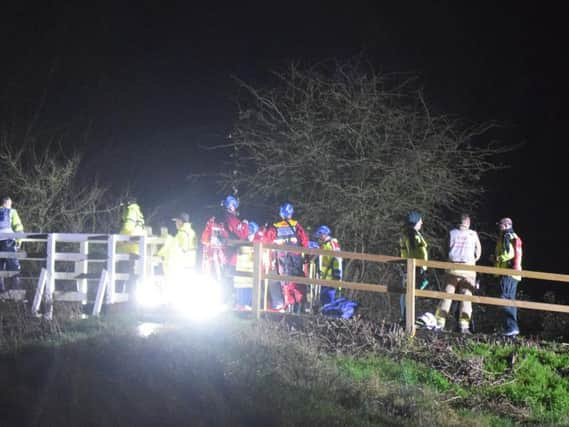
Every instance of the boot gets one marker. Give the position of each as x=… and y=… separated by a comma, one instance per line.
x=464, y=324
x=441, y=317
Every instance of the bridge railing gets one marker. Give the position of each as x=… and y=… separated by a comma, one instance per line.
x=261, y=274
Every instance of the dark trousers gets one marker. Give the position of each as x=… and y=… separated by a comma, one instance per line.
x=509, y=287
x=9, y=264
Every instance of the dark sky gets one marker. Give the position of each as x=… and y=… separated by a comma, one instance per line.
x=141, y=87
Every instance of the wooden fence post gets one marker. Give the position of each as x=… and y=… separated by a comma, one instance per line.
x=257, y=273
x=82, y=267
x=142, y=260
x=410, y=298
x=39, y=292
x=111, y=269
x=50, y=280
x=103, y=285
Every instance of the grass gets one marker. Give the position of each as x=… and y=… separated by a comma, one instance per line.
x=232, y=372
x=540, y=379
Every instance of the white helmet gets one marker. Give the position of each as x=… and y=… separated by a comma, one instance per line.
x=427, y=320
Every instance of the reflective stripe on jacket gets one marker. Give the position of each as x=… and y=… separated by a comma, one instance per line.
x=416, y=248
x=132, y=221
x=508, y=252
x=330, y=266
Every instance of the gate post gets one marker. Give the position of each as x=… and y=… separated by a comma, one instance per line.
x=82, y=267
x=410, y=297
x=111, y=269
x=50, y=282
x=257, y=273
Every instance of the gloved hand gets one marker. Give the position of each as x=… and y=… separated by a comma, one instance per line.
x=424, y=284
x=337, y=274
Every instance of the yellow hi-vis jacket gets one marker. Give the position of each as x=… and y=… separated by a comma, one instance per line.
x=13, y=222
x=330, y=266
x=415, y=248
x=244, y=264
x=132, y=225
x=508, y=252
x=179, y=252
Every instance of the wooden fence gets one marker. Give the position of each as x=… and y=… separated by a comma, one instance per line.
x=260, y=274
x=81, y=259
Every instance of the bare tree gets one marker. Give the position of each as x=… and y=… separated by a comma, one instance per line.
x=356, y=149
x=43, y=182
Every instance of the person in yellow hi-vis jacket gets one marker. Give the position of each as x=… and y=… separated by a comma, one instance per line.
x=179, y=252
x=329, y=267
x=508, y=254
x=132, y=224
x=412, y=244
x=9, y=223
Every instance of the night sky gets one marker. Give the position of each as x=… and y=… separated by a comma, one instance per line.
x=144, y=89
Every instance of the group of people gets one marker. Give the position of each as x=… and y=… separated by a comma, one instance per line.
x=223, y=259
x=465, y=248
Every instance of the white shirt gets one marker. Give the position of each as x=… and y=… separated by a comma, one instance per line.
x=463, y=244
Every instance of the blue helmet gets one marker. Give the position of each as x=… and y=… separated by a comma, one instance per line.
x=286, y=211
x=230, y=202
x=323, y=230
x=413, y=218
x=253, y=227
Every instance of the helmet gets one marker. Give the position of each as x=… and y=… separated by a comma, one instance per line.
x=427, y=320
x=230, y=202
x=323, y=230
x=286, y=211
x=413, y=217
x=253, y=227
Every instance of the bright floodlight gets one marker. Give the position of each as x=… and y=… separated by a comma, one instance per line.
x=195, y=296
x=148, y=294
x=190, y=294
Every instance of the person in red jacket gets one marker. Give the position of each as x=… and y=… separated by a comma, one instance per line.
x=290, y=233
x=219, y=256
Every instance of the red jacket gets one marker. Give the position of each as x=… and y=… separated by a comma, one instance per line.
x=287, y=233
x=237, y=230
x=216, y=234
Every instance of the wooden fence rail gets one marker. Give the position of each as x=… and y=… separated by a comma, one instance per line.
x=411, y=293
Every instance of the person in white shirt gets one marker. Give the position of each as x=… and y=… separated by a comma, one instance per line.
x=464, y=248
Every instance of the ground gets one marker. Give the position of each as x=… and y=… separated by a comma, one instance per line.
x=279, y=371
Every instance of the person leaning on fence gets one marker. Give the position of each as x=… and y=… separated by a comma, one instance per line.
x=287, y=232
x=245, y=264
x=9, y=223
x=329, y=266
x=508, y=254
x=464, y=248
x=412, y=244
